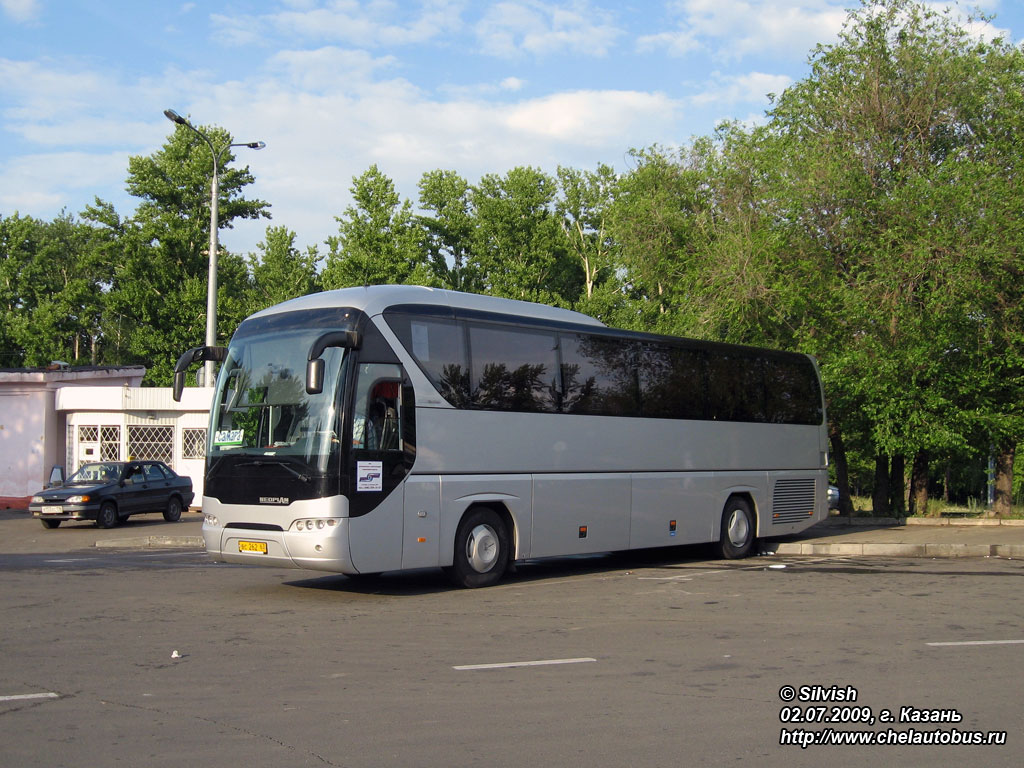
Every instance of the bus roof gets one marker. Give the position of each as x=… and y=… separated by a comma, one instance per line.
x=375, y=299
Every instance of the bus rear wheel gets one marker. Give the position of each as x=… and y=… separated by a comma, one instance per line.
x=737, y=539
x=481, y=549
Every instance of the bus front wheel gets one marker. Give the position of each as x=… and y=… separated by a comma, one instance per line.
x=481, y=549
x=737, y=539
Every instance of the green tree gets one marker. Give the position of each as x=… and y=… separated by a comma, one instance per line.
x=378, y=241
x=657, y=208
x=521, y=251
x=19, y=242
x=448, y=232
x=881, y=138
x=52, y=291
x=584, y=206
x=156, y=305
x=280, y=271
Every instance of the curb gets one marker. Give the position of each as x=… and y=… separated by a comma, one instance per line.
x=880, y=522
x=879, y=549
x=153, y=542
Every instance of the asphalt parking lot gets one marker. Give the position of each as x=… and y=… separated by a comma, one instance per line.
x=158, y=656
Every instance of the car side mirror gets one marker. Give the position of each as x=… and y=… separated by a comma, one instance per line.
x=56, y=476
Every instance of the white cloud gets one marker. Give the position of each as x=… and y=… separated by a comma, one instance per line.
x=41, y=182
x=749, y=26
x=368, y=25
x=325, y=118
x=307, y=169
x=510, y=29
x=20, y=10
x=327, y=69
x=752, y=87
x=590, y=118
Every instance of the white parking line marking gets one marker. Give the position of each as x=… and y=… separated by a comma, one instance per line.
x=981, y=642
x=508, y=664
x=23, y=696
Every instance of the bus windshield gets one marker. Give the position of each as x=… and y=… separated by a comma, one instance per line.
x=261, y=408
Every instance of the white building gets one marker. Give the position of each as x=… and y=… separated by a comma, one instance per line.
x=63, y=416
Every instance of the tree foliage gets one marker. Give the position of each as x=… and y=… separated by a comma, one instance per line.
x=872, y=219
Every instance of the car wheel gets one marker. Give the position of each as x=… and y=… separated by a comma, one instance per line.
x=738, y=529
x=481, y=549
x=173, y=512
x=50, y=523
x=107, y=518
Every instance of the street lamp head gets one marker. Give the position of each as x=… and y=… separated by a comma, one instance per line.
x=251, y=144
x=174, y=117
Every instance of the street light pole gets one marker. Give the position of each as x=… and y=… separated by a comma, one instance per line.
x=211, y=281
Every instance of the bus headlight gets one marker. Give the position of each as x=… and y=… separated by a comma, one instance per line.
x=211, y=520
x=319, y=523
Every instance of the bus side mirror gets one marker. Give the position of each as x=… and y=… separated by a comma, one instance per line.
x=194, y=355
x=315, y=363
x=315, y=376
x=179, y=385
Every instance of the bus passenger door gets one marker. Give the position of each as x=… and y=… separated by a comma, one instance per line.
x=381, y=456
x=421, y=535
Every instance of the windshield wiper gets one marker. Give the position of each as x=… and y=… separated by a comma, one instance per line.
x=277, y=463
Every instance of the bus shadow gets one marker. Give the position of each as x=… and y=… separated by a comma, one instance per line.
x=433, y=580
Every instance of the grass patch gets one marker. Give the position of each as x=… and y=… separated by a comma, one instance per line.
x=937, y=508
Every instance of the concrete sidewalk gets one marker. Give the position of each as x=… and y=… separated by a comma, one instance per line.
x=20, y=533
x=849, y=537
x=914, y=537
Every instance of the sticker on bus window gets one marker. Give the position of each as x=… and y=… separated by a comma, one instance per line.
x=369, y=476
x=228, y=436
x=420, y=342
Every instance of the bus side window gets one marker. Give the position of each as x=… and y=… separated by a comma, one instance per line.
x=377, y=422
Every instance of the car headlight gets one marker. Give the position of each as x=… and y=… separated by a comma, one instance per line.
x=38, y=499
x=83, y=499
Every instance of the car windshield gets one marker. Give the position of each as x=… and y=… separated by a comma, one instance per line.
x=90, y=474
x=261, y=407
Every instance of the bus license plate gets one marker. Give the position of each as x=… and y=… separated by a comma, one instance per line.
x=260, y=547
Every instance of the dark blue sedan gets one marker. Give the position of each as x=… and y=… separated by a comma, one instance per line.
x=111, y=491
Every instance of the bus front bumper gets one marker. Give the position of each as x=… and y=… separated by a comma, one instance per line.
x=314, y=543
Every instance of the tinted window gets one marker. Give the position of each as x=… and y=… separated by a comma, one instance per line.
x=513, y=370
x=735, y=386
x=154, y=472
x=671, y=382
x=793, y=395
x=598, y=376
x=439, y=348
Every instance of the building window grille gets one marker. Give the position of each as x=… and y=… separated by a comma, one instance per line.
x=147, y=442
x=193, y=443
x=110, y=443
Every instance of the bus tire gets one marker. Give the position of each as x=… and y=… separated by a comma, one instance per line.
x=738, y=529
x=481, y=549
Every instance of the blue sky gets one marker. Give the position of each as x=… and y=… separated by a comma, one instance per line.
x=333, y=86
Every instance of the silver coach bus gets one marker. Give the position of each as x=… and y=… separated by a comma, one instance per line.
x=395, y=427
